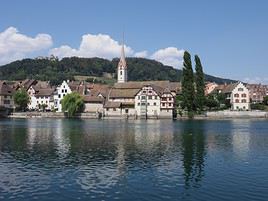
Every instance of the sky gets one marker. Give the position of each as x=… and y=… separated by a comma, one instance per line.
x=230, y=36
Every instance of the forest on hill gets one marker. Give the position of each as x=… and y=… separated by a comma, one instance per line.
x=56, y=71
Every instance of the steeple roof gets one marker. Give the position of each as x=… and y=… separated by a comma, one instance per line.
x=122, y=63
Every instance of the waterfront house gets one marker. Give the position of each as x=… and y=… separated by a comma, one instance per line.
x=257, y=92
x=6, y=96
x=237, y=94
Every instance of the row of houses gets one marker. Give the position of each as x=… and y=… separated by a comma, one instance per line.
x=239, y=94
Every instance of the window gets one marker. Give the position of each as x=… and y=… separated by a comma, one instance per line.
x=114, y=109
x=63, y=86
x=236, y=95
x=240, y=89
x=150, y=92
x=144, y=92
x=155, y=97
x=237, y=100
x=126, y=110
x=170, y=99
x=62, y=91
x=244, y=95
x=138, y=103
x=107, y=109
x=164, y=98
x=139, y=97
x=6, y=102
x=150, y=97
x=59, y=96
x=5, y=96
x=143, y=97
x=63, y=95
x=142, y=103
x=154, y=104
x=170, y=104
x=163, y=104
x=65, y=90
x=148, y=103
x=121, y=72
x=244, y=101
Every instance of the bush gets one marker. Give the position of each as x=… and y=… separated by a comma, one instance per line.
x=257, y=106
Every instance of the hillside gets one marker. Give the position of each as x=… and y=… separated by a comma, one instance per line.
x=57, y=70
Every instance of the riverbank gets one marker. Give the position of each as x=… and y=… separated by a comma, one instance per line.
x=206, y=115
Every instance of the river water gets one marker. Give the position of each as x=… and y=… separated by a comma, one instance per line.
x=61, y=159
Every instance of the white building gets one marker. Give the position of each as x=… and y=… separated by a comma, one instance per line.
x=61, y=91
x=237, y=94
x=41, y=98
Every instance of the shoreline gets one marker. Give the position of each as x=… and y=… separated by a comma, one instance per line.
x=207, y=116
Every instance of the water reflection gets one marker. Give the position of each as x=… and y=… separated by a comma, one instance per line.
x=129, y=160
x=193, y=152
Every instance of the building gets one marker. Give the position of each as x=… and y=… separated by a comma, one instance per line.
x=141, y=99
x=210, y=86
x=93, y=104
x=122, y=67
x=237, y=94
x=41, y=96
x=6, y=96
x=257, y=92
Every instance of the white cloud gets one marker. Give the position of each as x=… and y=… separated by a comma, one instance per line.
x=100, y=45
x=14, y=45
x=142, y=54
x=171, y=56
x=103, y=46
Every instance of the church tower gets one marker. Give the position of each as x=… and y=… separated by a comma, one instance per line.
x=122, y=67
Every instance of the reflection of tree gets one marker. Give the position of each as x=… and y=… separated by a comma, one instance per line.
x=193, y=152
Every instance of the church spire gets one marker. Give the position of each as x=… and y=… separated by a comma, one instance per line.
x=122, y=66
x=122, y=63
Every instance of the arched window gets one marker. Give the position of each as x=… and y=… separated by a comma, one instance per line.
x=244, y=100
x=244, y=95
x=237, y=100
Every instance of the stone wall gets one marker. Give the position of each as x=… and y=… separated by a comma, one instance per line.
x=237, y=114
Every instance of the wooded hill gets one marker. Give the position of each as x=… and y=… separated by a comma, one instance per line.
x=56, y=70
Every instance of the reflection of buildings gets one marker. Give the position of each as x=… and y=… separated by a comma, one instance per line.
x=241, y=137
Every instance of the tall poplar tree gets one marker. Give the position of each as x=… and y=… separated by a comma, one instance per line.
x=200, y=84
x=187, y=83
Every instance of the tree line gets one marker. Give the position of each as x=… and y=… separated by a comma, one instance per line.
x=55, y=70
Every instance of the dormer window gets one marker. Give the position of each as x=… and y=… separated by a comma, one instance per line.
x=240, y=89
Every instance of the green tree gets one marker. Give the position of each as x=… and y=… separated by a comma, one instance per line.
x=72, y=103
x=265, y=100
x=200, y=85
x=187, y=83
x=21, y=98
x=211, y=102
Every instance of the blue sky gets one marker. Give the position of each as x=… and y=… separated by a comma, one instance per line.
x=230, y=36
